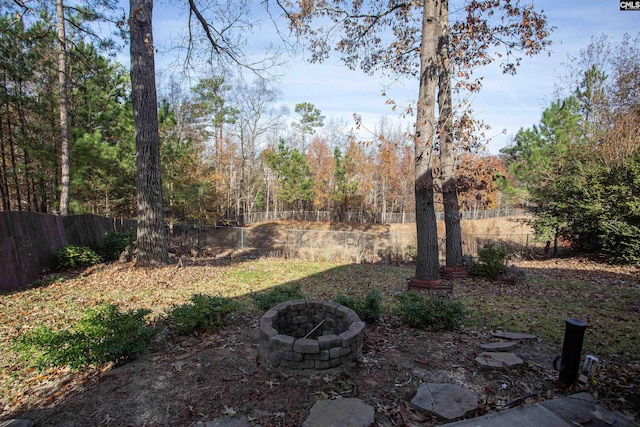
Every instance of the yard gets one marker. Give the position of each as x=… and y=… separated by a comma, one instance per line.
x=182, y=380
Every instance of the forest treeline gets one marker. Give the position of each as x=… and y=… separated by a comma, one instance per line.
x=228, y=148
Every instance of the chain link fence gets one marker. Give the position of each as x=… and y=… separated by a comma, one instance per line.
x=374, y=217
x=353, y=246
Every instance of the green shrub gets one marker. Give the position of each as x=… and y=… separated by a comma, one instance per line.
x=368, y=307
x=436, y=312
x=491, y=262
x=103, y=334
x=115, y=243
x=266, y=300
x=203, y=313
x=72, y=256
x=620, y=242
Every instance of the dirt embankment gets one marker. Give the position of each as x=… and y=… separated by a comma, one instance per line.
x=360, y=242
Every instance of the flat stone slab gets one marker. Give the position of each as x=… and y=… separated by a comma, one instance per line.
x=578, y=409
x=498, y=360
x=349, y=412
x=499, y=346
x=226, y=422
x=447, y=401
x=21, y=422
x=513, y=335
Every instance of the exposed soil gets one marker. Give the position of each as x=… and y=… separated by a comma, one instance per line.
x=205, y=377
x=181, y=381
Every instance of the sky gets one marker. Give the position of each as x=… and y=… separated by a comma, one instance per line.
x=506, y=103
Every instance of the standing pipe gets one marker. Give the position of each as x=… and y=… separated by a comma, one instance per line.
x=571, y=352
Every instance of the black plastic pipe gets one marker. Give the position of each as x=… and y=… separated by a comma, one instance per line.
x=571, y=352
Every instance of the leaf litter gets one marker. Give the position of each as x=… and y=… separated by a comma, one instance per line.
x=182, y=380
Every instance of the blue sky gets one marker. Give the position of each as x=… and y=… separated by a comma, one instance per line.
x=505, y=103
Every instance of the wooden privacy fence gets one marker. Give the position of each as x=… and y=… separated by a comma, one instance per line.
x=28, y=241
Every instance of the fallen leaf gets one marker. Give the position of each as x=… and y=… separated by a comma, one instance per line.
x=229, y=411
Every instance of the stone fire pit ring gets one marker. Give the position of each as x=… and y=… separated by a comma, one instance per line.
x=310, y=334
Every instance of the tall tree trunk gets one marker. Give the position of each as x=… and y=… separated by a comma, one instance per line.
x=64, y=129
x=151, y=236
x=14, y=170
x=447, y=147
x=427, y=267
x=4, y=178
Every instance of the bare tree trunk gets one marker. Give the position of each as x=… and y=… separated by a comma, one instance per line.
x=14, y=170
x=427, y=267
x=64, y=129
x=4, y=177
x=152, y=239
x=447, y=146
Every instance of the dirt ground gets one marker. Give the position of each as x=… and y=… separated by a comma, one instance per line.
x=201, y=378
x=180, y=381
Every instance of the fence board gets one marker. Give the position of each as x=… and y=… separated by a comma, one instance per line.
x=28, y=241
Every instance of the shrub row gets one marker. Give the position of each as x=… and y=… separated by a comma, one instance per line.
x=104, y=333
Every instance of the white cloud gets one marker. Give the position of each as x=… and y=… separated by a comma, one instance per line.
x=506, y=102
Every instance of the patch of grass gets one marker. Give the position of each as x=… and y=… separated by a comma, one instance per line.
x=265, y=300
x=103, y=334
x=540, y=306
x=551, y=292
x=202, y=313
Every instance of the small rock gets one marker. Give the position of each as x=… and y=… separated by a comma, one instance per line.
x=340, y=413
x=513, y=335
x=447, y=401
x=500, y=361
x=499, y=346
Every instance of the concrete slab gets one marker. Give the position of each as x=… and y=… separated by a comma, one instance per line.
x=447, y=401
x=340, y=413
x=524, y=416
x=570, y=411
x=583, y=409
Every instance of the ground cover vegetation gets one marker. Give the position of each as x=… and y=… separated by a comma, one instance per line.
x=209, y=305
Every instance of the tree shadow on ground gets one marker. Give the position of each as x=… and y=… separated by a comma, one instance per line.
x=182, y=380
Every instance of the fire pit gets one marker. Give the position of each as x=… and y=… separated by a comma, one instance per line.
x=310, y=334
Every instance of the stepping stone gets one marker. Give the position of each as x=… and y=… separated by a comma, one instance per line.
x=499, y=361
x=226, y=422
x=340, y=413
x=447, y=401
x=513, y=335
x=499, y=346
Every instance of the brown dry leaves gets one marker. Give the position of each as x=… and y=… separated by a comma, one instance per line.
x=396, y=358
